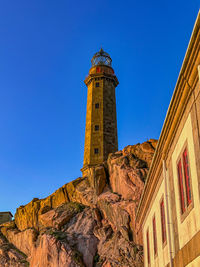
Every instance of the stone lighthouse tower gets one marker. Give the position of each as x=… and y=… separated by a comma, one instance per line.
x=101, y=122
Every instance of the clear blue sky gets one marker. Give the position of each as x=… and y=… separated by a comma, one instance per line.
x=45, y=52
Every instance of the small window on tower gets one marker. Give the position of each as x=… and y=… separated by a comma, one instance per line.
x=96, y=127
x=97, y=105
x=97, y=84
x=96, y=151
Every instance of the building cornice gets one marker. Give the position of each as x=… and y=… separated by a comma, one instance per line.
x=102, y=75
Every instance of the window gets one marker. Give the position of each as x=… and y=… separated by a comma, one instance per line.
x=180, y=178
x=96, y=127
x=97, y=84
x=163, y=225
x=154, y=235
x=96, y=151
x=97, y=105
x=184, y=181
x=98, y=69
x=187, y=177
x=148, y=249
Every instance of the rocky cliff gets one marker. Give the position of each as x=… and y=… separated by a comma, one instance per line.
x=87, y=222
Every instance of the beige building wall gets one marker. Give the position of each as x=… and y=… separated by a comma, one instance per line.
x=162, y=257
x=194, y=263
x=181, y=128
x=188, y=225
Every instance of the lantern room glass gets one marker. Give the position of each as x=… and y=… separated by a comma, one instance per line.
x=101, y=58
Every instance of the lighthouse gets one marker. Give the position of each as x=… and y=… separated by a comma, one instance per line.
x=101, y=120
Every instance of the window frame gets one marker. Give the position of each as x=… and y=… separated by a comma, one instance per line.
x=96, y=149
x=186, y=168
x=181, y=189
x=96, y=127
x=188, y=206
x=97, y=105
x=97, y=84
x=163, y=222
x=155, y=243
x=148, y=247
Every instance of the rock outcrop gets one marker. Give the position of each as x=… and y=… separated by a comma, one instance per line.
x=10, y=256
x=87, y=222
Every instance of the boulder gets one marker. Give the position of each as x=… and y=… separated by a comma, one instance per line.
x=24, y=240
x=53, y=251
x=128, y=169
x=27, y=216
x=80, y=191
x=97, y=178
x=80, y=235
x=10, y=256
x=60, y=216
x=144, y=151
x=117, y=251
x=110, y=207
x=4, y=227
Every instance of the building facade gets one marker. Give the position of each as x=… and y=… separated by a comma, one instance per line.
x=169, y=210
x=101, y=123
x=5, y=216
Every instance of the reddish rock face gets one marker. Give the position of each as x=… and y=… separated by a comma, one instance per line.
x=75, y=245
x=80, y=234
x=128, y=169
x=52, y=252
x=87, y=222
x=127, y=173
x=9, y=255
x=60, y=216
x=144, y=151
x=24, y=241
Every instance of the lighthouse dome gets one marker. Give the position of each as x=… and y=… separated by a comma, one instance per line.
x=101, y=58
